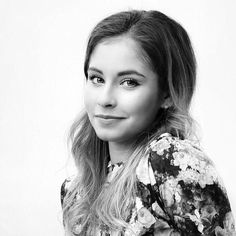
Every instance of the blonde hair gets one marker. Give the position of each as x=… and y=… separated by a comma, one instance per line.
x=167, y=48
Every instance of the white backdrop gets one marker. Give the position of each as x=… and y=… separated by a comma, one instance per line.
x=42, y=47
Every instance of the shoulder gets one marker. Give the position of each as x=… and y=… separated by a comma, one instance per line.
x=166, y=144
x=186, y=186
x=171, y=157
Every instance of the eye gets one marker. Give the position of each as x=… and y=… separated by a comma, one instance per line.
x=130, y=83
x=95, y=79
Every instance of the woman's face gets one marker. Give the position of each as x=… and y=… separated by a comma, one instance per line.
x=122, y=96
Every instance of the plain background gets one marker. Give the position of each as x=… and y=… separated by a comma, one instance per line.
x=42, y=47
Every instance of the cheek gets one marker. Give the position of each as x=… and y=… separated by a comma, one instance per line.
x=89, y=100
x=145, y=105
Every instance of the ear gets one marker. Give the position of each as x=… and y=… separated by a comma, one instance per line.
x=167, y=102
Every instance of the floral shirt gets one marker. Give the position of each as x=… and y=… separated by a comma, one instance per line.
x=178, y=193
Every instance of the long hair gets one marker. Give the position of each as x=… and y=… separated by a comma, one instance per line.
x=166, y=46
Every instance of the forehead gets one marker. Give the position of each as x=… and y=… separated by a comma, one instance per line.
x=118, y=53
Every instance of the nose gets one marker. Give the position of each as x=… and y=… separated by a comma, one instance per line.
x=107, y=97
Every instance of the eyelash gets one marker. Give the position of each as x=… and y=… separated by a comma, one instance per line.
x=133, y=81
x=92, y=77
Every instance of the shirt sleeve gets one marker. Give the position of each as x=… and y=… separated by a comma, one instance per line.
x=189, y=194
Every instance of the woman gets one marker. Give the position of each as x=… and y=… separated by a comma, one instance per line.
x=139, y=173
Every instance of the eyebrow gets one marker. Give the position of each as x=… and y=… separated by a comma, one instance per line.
x=122, y=73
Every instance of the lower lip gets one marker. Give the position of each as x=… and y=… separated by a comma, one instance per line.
x=109, y=121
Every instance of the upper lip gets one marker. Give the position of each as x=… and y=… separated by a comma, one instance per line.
x=108, y=116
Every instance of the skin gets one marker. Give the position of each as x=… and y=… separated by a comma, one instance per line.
x=134, y=98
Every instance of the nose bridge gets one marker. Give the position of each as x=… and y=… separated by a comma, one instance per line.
x=107, y=95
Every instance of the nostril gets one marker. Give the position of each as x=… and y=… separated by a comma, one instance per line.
x=106, y=101
x=107, y=104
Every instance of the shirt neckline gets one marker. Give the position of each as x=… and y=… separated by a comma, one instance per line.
x=112, y=165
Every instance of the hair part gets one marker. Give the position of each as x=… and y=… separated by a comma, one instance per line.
x=167, y=49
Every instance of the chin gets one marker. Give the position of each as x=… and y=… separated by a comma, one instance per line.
x=108, y=138
x=119, y=138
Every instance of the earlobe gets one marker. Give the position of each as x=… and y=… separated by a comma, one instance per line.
x=167, y=102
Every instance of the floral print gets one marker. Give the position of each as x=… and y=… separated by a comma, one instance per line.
x=179, y=192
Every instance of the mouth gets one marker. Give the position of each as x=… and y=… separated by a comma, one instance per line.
x=107, y=117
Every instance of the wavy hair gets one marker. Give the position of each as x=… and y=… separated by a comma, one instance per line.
x=166, y=46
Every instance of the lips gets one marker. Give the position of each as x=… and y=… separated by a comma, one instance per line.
x=107, y=117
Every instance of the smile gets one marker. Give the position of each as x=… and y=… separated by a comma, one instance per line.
x=107, y=120
x=108, y=117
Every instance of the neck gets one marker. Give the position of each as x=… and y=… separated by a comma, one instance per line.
x=119, y=152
